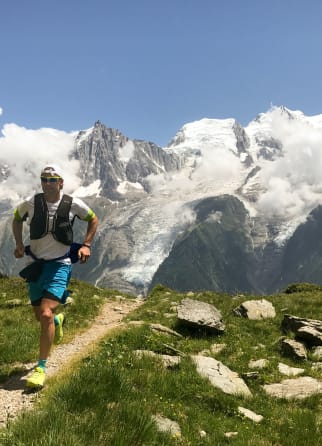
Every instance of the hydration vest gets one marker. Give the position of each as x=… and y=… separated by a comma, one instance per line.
x=62, y=229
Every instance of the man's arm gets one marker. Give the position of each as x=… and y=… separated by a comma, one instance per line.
x=17, y=233
x=85, y=251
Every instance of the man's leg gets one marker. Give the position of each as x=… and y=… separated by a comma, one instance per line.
x=44, y=313
x=47, y=326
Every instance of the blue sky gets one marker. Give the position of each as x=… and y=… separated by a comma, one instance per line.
x=148, y=67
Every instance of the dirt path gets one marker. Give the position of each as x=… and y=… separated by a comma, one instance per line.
x=13, y=395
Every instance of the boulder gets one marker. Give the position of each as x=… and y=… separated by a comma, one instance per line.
x=289, y=371
x=221, y=376
x=256, y=309
x=294, y=349
x=298, y=388
x=308, y=330
x=197, y=314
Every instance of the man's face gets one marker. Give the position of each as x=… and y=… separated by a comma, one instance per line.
x=51, y=184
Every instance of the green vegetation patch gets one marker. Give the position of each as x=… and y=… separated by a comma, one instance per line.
x=19, y=330
x=110, y=398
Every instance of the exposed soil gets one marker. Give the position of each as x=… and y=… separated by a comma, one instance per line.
x=14, y=396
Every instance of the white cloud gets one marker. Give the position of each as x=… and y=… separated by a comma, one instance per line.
x=26, y=151
x=293, y=181
x=1, y=111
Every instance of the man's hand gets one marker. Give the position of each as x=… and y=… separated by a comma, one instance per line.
x=84, y=253
x=19, y=251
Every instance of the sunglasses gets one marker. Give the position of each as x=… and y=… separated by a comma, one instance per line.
x=50, y=179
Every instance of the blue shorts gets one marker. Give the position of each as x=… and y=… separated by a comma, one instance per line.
x=51, y=284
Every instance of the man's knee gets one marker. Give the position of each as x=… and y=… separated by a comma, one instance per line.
x=46, y=315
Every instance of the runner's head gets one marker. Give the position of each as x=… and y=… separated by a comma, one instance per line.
x=52, y=178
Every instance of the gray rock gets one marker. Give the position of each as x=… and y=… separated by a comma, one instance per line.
x=221, y=376
x=256, y=309
x=167, y=360
x=258, y=364
x=250, y=414
x=289, y=371
x=166, y=330
x=197, y=314
x=166, y=425
x=217, y=348
x=308, y=330
x=293, y=349
x=310, y=335
x=317, y=353
x=298, y=388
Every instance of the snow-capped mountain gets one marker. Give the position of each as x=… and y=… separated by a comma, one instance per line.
x=218, y=192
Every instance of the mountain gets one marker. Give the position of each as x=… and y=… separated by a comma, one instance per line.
x=222, y=207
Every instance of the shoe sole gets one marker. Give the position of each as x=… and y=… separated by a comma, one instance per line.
x=34, y=387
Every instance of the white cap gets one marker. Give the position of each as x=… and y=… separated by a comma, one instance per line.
x=52, y=169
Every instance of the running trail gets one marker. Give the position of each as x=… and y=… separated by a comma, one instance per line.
x=14, y=398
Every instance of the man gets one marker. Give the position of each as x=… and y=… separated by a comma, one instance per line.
x=50, y=215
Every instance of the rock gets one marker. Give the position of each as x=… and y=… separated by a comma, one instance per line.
x=251, y=415
x=258, y=364
x=197, y=314
x=298, y=388
x=250, y=376
x=119, y=298
x=214, y=349
x=167, y=360
x=166, y=330
x=13, y=303
x=221, y=376
x=289, y=371
x=293, y=349
x=317, y=366
x=256, y=309
x=217, y=348
x=166, y=425
x=310, y=335
x=309, y=330
x=317, y=353
x=230, y=434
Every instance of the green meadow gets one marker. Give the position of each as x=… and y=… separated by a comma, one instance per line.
x=110, y=396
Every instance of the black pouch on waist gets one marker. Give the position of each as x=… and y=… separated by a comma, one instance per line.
x=31, y=272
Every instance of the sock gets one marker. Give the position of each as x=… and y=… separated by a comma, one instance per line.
x=56, y=320
x=42, y=364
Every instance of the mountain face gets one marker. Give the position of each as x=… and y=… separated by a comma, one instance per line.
x=107, y=155
x=222, y=207
x=214, y=253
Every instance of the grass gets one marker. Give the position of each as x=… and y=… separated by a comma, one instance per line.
x=19, y=334
x=108, y=399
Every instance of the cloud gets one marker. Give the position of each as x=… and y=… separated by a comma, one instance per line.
x=1, y=111
x=24, y=152
x=293, y=182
